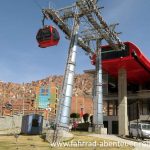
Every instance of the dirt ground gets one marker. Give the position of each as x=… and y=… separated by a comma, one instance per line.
x=36, y=143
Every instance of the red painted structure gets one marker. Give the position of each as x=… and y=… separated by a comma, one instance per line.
x=132, y=59
x=47, y=36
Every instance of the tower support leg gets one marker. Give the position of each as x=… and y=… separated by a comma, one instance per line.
x=64, y=106
x=98, y=95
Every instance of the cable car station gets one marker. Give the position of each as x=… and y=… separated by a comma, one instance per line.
x=118, y=59
x=104, y=106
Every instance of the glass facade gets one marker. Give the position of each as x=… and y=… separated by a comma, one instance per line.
x=109, y=53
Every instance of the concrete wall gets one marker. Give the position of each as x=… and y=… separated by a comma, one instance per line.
x=9, y=122
x=15, y=121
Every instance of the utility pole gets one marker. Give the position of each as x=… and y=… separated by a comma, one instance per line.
x=23, y=97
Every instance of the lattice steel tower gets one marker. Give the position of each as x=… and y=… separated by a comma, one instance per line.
x=84, y=26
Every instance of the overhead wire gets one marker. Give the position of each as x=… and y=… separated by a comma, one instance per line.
x=40, y=7
x=37, y=4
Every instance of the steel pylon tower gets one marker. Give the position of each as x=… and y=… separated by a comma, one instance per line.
x=92, y=29
x=66, y=93
x=98, y=93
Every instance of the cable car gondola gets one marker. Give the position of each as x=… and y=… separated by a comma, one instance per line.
x=47, y=36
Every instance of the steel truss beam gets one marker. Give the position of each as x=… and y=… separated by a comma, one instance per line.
x=54, y=16
x=90, y=13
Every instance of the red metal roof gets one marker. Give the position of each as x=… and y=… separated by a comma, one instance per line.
x=136, y=64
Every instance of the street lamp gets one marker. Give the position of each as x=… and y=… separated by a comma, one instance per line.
x=76, y=102
x=23, y=88
x=82, y=111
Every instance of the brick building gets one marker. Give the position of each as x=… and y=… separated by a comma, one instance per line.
x=82, y=104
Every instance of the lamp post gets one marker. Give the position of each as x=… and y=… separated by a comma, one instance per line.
x=23, y=106
x=76, y=102
x=82, y=111
x=23, y=97
x=1, y=106
x=3, y=100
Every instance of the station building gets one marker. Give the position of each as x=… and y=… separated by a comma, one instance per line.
x=126, y=87
x=138, y=102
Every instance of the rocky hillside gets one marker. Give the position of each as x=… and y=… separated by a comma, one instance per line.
x=82, y=83
x=12, y=91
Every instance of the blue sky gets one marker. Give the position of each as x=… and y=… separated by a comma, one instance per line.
x=21, y=60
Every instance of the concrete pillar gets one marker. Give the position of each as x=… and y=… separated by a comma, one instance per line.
x=122, y=100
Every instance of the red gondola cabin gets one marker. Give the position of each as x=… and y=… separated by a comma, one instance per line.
x=47, y=36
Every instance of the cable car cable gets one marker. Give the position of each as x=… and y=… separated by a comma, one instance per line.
x=37, y=4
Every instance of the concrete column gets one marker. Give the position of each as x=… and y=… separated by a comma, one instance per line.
x=122, y=100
